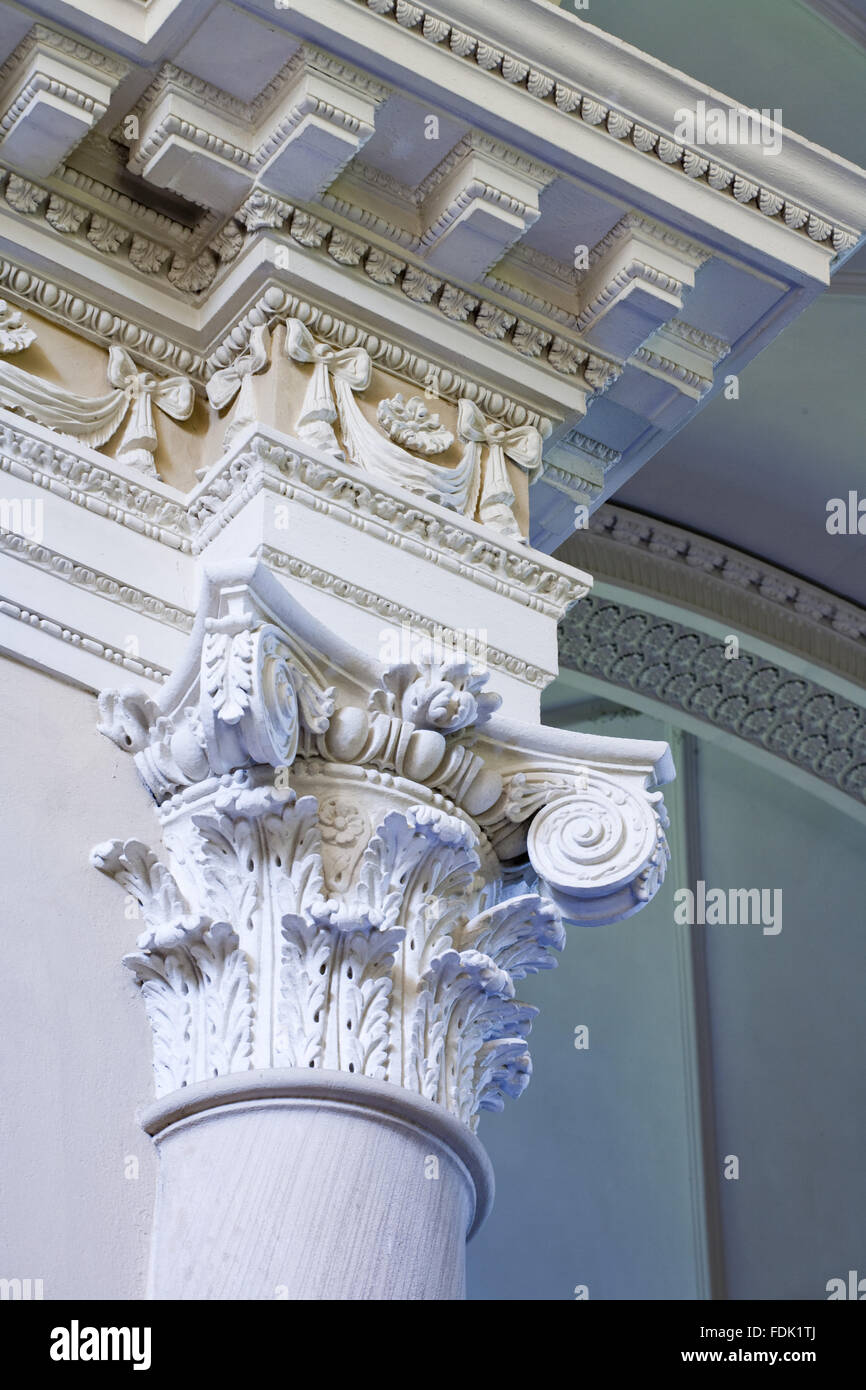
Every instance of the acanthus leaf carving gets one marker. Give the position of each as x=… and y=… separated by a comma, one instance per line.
x=373, y=916
x=436, y=694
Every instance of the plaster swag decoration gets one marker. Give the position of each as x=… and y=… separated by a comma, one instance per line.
x=479, y=492
x=94, y=419
x=361, y=863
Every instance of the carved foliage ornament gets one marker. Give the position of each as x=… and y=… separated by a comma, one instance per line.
x=15, y=335
x=410, y=423
x=345, y=886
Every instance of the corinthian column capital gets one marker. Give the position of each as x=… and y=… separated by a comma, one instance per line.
x=359, y=864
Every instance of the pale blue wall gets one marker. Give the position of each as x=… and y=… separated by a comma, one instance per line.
x=789, y=1033
x=594, y=1181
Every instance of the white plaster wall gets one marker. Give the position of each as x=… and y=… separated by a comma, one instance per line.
x=75, y=1062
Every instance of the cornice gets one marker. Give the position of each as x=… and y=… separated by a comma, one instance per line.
x=760, y=701
x=747, y=593
x=545, y=85
x=457, y=302
x=260, y=459
x=176, y=272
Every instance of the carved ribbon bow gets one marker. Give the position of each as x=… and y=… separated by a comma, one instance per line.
x=350, y=369
x=173, y=394
x=522, y=445
x=225, y=384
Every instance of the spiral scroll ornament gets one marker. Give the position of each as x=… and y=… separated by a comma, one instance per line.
x=590, y=848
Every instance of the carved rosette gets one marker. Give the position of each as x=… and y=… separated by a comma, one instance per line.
x=349, y=875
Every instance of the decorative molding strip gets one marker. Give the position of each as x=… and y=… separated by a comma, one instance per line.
x=794, y=718
x=174, y=268
x=615, y=124
x=717, y=349
x=258, y=460
x=692, y=252
x=672, y=371
x=111, y=64
x=77, y=638
x=93, y=321
x=495, y=321
x=605, y=455
x=476, y=142
x=94, y=581
x=29, y=453
x=749, y=594
x=128, y=211
x=252, y=113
